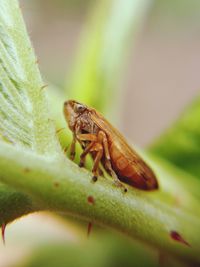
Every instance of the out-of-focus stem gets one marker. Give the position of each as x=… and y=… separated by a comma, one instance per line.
x=109, y=33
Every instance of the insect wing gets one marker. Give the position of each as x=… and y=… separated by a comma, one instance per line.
x=115, y=136
x=141, y=168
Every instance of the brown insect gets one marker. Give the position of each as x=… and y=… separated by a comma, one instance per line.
x=107, y=146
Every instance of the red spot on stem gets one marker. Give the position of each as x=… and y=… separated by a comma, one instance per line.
x=89, y=228
x=3, y=228
x=56, y=184
x=90, y=200
x=177, y=237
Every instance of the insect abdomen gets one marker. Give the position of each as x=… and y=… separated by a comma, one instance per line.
x=129, y=173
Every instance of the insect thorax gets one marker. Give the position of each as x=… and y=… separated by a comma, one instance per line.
x=87, y=125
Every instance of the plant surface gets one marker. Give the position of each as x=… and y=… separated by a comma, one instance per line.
x=36, y=175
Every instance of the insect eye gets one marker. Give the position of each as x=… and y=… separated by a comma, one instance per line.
x=80, y=108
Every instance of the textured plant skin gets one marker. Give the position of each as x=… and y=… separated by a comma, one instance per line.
x=14, y=204
x=63, y=187
x=24, y=119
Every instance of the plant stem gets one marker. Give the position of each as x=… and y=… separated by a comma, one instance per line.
x=14, y=204
x=61, y=186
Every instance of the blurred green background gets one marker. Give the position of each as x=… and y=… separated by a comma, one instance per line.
x=159, y=76
x=162, y=71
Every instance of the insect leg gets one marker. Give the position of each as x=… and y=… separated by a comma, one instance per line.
x=84, y=154
x=100, y=172
x=86, y=137
x=114, y=176
x=73, y=144
x=108, y=166
x=73, y=148
x=97, y=160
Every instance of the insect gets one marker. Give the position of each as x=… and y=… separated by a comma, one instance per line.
x=107, y=146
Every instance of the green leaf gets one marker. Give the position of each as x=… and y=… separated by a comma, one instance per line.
x=24, y=118
x=181, y=142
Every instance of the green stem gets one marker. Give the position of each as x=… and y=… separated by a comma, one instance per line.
x=61, y=186
x=14, y=204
